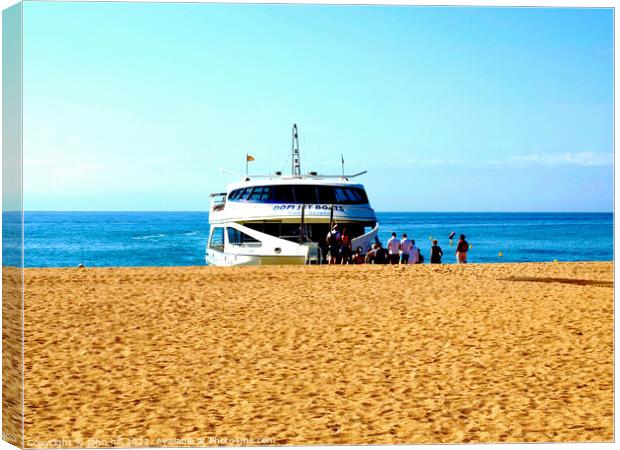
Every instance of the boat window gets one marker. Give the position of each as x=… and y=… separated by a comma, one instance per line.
x=245, y=194
x=257, y=192
x=305, y=194
x=266, y=193
x=326, y=194
x=360, y=194
x=353, y=195
x=236, y=237
x=340, y=195
x=282, y=194
x=234, y=195
x=364, y=196
x=216, y=241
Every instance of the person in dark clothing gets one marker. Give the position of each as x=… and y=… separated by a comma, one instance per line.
x=333, y=243
x=378, y=255
x=381, y=255
x=436, y=253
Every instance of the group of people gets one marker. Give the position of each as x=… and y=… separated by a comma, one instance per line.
x=398, y=251
x=339, y=248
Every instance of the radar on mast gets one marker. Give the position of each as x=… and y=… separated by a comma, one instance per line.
x=296, y=166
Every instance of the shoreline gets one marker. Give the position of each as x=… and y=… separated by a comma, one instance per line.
x=492, y=264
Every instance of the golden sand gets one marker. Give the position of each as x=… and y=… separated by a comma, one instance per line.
x=12, y=361
x=319, y=355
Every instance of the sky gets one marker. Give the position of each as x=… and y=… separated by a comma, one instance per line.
x=138, y=106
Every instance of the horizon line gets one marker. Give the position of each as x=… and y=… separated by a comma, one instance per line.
x=377, y=211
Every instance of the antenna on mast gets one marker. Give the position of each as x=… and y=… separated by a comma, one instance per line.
x=295, y=165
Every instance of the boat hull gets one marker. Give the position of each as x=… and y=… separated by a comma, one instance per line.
x=215, y=258
x=269, y=250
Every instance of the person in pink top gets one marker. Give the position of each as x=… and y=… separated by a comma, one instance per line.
x=414, y=256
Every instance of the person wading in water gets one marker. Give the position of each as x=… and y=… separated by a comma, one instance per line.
x=436, y=253
x=461, y=250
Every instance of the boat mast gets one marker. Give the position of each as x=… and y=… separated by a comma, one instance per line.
x=296, y=166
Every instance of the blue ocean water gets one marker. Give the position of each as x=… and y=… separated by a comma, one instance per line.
x=65, y=239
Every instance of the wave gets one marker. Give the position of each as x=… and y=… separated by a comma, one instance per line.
x=152, y=236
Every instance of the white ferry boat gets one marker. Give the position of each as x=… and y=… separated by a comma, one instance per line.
x=285, y=219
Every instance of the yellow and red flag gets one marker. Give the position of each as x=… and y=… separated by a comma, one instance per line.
x=249, y=157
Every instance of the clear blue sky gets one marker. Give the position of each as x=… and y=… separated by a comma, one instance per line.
x=138, y=106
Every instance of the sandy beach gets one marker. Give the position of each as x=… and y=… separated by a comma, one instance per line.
x=12, y=362
x=319, y=355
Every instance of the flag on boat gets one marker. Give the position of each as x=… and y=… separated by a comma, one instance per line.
x=249, y=157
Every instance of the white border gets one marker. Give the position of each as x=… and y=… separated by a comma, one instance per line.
x=557, y=3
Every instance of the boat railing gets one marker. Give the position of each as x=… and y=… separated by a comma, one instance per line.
x=281, y=176
x=218, y=201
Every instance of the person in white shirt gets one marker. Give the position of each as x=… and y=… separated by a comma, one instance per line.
x=405, y=249
x=393, y=245
x=414, y=255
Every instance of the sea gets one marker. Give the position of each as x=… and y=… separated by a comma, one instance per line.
x=134, y=239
